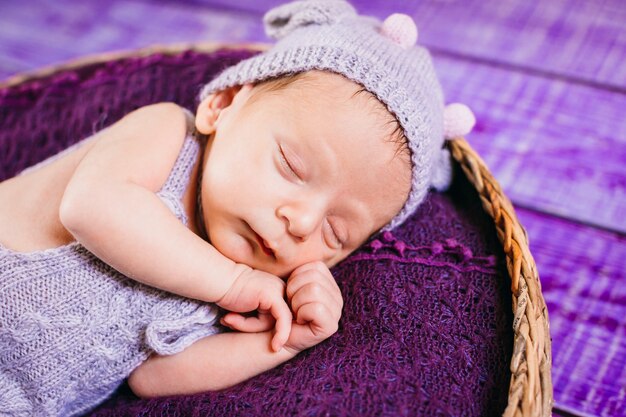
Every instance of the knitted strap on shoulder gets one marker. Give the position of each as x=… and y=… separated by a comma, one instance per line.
x=178, y=180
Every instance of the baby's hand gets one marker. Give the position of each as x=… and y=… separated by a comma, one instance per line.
x=316, y=303
x=255, y=290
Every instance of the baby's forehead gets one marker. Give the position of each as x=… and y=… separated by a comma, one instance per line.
x=315, y=82
x=334, y=91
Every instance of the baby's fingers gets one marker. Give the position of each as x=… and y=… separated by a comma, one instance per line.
x=281, y=312
x=318, y=318
x=236, y=321
x=315, y=293
x=315, y=273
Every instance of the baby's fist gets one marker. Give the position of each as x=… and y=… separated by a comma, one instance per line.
x=316, y=304
x=254, y=290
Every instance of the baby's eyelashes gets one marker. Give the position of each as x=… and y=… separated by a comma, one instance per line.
x=331, y=236
x=288, y=164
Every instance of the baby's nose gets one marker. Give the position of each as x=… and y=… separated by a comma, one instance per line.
x=303, y=226
x=303, y=219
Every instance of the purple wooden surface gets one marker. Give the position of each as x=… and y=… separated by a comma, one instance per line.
x=548, y=85
x=554, y=146
x=574, y=38
x=582, y=274
x=39, y=33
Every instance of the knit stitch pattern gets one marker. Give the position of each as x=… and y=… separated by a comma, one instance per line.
x=72, y=328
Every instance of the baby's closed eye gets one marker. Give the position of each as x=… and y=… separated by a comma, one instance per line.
x=290, y=164
x=331, y=234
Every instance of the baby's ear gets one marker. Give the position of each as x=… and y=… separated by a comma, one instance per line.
x=210, y=108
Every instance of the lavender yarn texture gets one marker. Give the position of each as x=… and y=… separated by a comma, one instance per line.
x=72, y=328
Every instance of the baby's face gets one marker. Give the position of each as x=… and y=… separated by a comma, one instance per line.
x=301, y=174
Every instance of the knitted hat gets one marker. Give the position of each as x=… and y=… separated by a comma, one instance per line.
x=329, y=35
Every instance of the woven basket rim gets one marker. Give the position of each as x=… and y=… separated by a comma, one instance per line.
x=530, y=388
x=102, y=57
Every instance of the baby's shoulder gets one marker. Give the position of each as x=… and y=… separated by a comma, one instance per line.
x=162, y=108
x=157, y=117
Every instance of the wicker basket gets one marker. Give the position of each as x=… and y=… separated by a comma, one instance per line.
x=530, y=391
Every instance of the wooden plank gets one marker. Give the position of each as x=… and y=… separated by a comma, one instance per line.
x=554, y=147
x=580, y=40
x=35, y=34
x=576, y=39
x=582, y=271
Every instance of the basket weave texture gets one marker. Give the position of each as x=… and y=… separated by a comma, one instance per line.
x=530, y=391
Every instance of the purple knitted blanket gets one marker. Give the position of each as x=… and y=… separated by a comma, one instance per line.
x=426, y=327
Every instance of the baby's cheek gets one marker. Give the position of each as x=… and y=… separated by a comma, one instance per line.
x=232, y=245
x=343, y=254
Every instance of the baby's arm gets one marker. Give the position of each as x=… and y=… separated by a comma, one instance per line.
x=212, y=363
x=226, y=359
x=111, y=207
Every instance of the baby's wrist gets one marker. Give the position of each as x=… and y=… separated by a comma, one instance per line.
x=291, y=350
x=232, y=282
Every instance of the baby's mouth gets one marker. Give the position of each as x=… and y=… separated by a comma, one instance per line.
x=264, y=247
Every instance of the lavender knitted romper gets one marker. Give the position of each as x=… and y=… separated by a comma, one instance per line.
x=72, y=328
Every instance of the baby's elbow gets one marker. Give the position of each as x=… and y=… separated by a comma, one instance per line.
x=140, y=385
x=67, y=212
x=71, y=214
x=82, y=209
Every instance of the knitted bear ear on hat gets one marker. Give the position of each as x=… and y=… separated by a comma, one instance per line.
x=282, y=20
x=458, y=121
x=400, y=29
